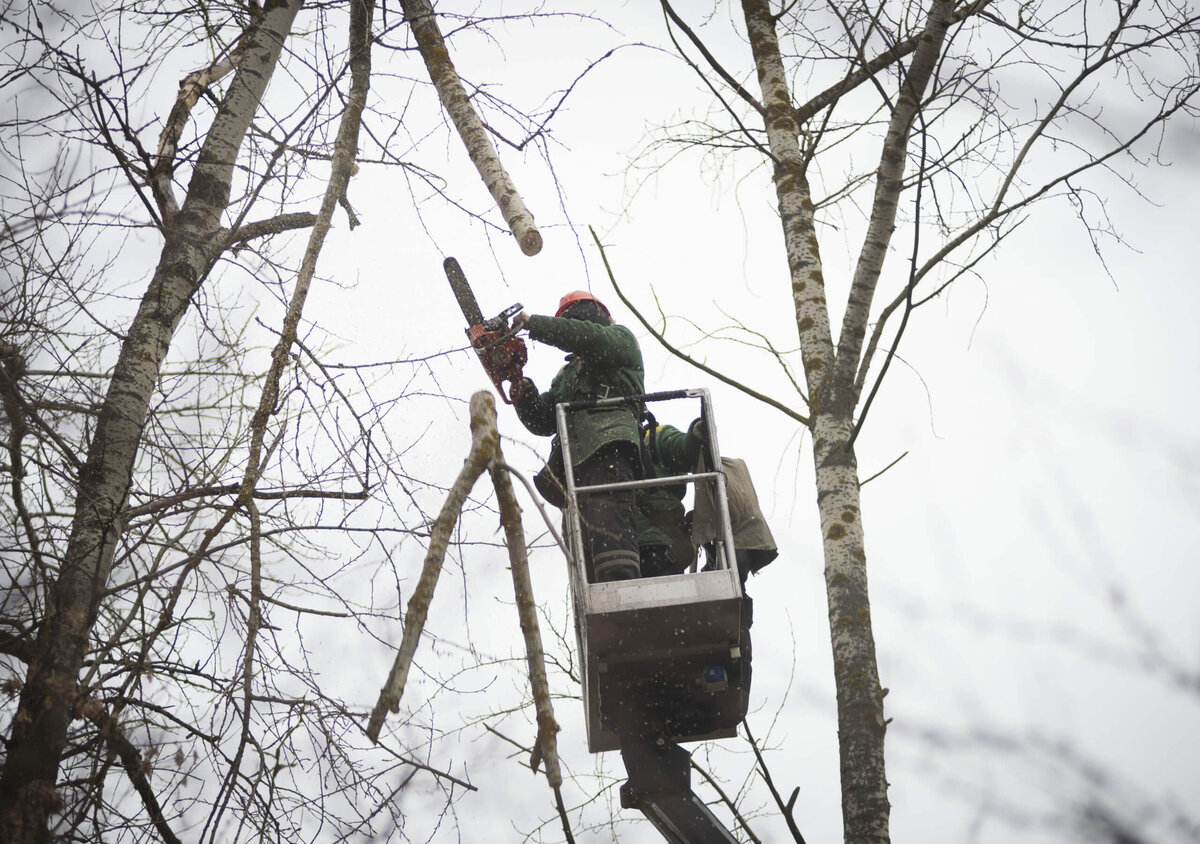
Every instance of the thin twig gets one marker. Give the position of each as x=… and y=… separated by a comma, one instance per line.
x=537, y=502
x=803, y=420
x=727, y=800
x=881, y=471
x=785, y=809
x=131, y=760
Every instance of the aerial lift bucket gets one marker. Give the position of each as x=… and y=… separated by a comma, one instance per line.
x=660, y=654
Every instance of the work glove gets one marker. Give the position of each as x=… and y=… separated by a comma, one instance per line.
x=521, y=388
x=697, y=441
x=520, y=322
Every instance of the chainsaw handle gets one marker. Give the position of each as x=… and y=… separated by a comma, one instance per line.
x=501, y=352
x=500, y=321
x=508, y=398
x=508, y=335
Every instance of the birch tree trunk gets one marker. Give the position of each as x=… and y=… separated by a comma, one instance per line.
x=193, y=243
x=830, y=377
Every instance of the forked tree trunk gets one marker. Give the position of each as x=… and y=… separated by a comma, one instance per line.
x=48, y=699
x=831, y=377
x=865, y=808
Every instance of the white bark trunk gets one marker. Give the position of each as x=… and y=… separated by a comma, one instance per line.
x=795, y=204
x=888, y=183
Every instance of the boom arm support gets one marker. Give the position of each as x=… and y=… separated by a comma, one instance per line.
x=660, y=787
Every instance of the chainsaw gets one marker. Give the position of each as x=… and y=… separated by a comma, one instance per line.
x=500, y=350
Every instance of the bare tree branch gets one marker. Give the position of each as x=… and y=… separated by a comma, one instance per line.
x=711, y=59
x=275, y=225
x=679, y=354
x=784, y=809
x=484, y=439
x=131, y=759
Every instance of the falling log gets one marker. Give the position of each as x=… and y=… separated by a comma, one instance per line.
x=470, y=128
x=546, y=747
x=485, y=454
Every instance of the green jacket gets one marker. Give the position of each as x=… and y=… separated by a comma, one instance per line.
x=605, y=361
x=674, y=451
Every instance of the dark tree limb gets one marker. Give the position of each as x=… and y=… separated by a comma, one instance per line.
x=785, y=809
x=711, y=59
x=866, y=72
x=135, y=766
x=754, y=394
x=262, y=228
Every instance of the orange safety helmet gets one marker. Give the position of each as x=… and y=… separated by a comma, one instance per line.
x=576, y=296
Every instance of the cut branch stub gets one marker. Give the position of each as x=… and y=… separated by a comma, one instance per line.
x=470, y=128
x=484, y=441
x=485, y=454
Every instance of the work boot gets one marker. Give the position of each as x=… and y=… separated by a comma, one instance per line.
x=658, y=560
x=617, y=570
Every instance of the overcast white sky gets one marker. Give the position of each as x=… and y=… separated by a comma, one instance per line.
x=1045, y=511
x=1033, y=563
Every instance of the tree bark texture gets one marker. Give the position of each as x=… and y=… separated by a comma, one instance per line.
x=470, y=128
x=861, y=726
x=545, y=749
x=48, y=699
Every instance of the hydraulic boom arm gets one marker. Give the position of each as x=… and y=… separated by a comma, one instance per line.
x=659, y=786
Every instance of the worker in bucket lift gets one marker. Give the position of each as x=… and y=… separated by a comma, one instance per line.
x=664, y=538
x=667, y=451
x=603, y=361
